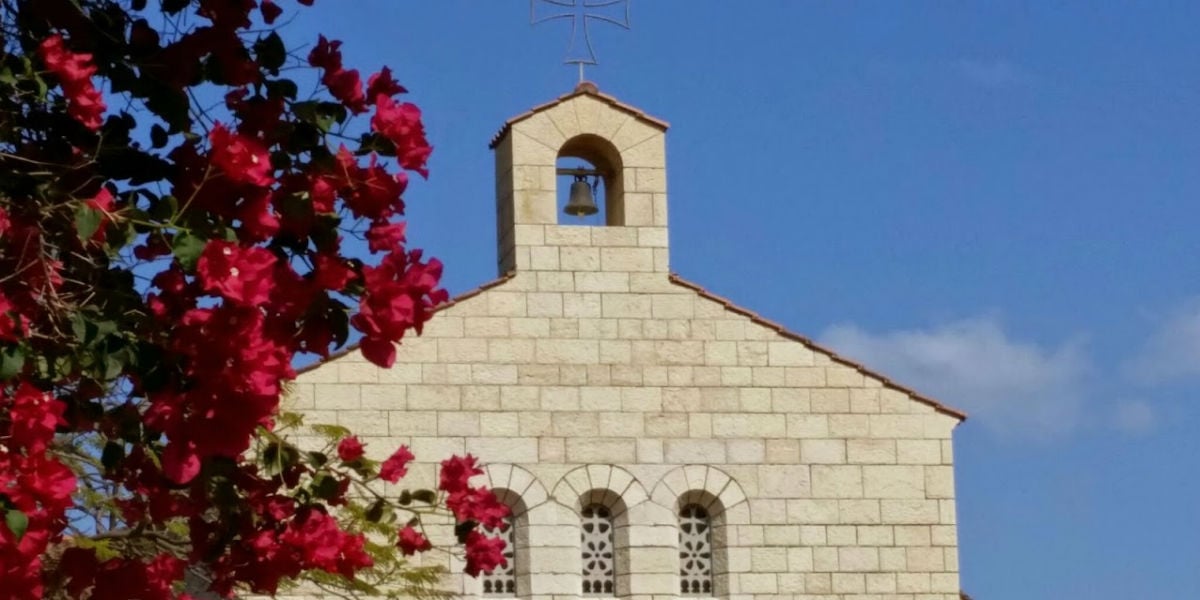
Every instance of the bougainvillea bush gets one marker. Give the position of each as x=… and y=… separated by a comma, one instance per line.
x=176, y=225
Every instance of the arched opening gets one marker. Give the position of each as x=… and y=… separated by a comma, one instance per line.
x=703, y=567
x=597, y=162
x=604, y=537
x=512, y=579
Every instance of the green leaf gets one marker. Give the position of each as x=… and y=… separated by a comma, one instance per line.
x=12, y=361
x=114, y=452
x=282, y=88
x=331, y=432
x=426, y=496
x=375, y=512
x=271, y=52
x=6, y=76
x=158, y=136
x=88, y=221
x=325, y=486
x=187, y=249
x=17, y=523
x=318, y=459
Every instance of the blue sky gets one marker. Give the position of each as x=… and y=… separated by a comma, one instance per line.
x=993, y=202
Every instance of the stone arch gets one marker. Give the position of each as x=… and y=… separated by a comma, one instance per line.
x=702, y=483
x=515, y=486
x=607, y=481
x=722, y=500
x=606, y=159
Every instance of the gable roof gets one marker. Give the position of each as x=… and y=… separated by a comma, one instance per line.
x=585, y=88
x=729, y=306
x=811, y=345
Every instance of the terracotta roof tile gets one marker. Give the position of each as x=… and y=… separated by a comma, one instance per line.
x=447, y=304
x=783, y=331
x=585, y=88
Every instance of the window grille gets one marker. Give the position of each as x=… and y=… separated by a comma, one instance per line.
x=503, y=580
x=597, y=537
x=695, y=551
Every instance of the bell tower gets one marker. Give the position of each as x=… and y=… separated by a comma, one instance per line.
x=626, y=150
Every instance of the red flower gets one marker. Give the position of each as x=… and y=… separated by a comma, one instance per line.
x=242, y=158
x=401, y=123
x=484, y=554
x=270, y=11
x=350, y=449
x=34, y=415
x=345, y=85
x=103, y=202
x=385, y=236
x=457, y=472
x=12, y=327
x=412, y=541
x=383, y=83
x=396, y=466
x=74, y=71
x=479, y=505
x=239, y=274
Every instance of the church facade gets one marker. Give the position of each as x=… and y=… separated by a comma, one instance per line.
x=653, y=439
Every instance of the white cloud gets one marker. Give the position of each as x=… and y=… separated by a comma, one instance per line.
x=1134, y=417
x=997, y=73
x=1173, y=350
x=1008, y=385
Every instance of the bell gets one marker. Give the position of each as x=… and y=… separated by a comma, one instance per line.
x=581, y=203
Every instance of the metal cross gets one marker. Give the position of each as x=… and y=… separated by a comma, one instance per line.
x=580, y=12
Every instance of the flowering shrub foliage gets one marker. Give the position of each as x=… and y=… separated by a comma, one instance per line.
x=161, y=268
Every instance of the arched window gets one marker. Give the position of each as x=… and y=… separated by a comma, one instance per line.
x=503, y=580
x=695, y=551
x=599, y=574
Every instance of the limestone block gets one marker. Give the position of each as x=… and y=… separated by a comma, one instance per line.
x=741, y=425
x=438, y=447
x=752, y=354
x=881, y=583
x=871, y=451
x=512, y=450
x=534, y=207
x=587, y=281
x=614, y=236
x=755, y=400
x=642, y=399
x=804, y=376
x=849, y=426
x=459, y=424
x=842, y=535
x=611, y=450
x=939, y=482
x=598, y=118
x=364, y=422
x=535, y=424
x=946, y=583
x=561, y=398
x=947, y=452
x=680, y=376
x=497, y=424
x=837, y=481
x=784, y=481
x=568, y=424
x=552, y=450
x=924, y=559
x=650, y=451
x=653, y=237
x=686, y=451
x=813, y=511
x=506, y=304
x=947, y=513
x=653, y=559
x=858, y=559
x=783, y=451
x=807, y=426
x=892, y=559
x=943, y=535
x=843, y=376
x=568, y=235
x=402, y=373
x=485, y=327
x=401, y=423
x=849, y=583
x=600, y=398
x=382, y=397
x=771, y=377
x=910, y=511
x=579, y=352
x=555, y=282
x=539, y=127
x=831, y=400
x=434, y=397
x=912, y=582
x=875, y=535
x=666, y=425
x=603, y=329
x=818, y=583
x=302, y=396
x=819, y=451
x=719, y=353
x=706, y=376
x=519, y=397
x=650, y=153
x=579, y=258
x=736, y=376
x=912, y=535
x=493, y=374
x=349, y=371
x=337, y=396
x=897, y=426
x=742, y=451
x=639, y=209
x=581, y=305
x=788, y=354
x=864, y=400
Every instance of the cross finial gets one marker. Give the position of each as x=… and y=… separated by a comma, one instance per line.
x=581, y=12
